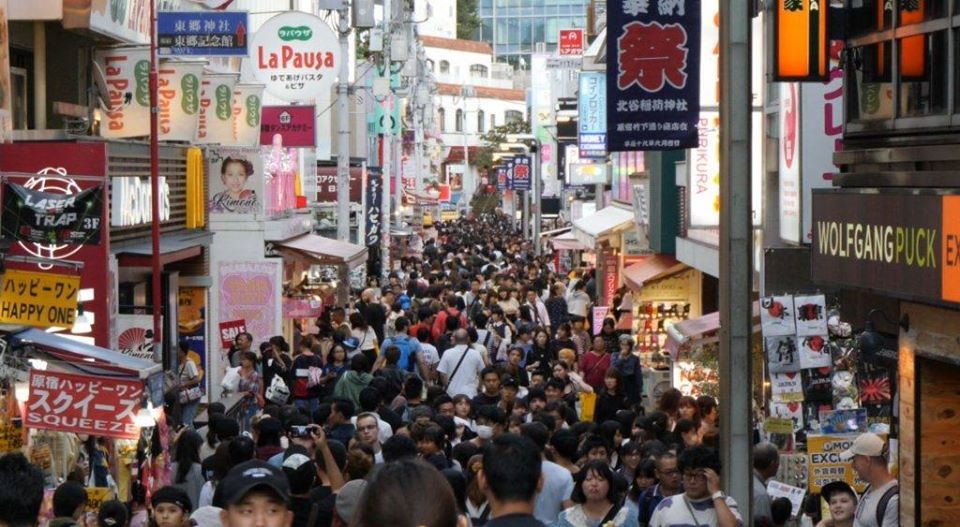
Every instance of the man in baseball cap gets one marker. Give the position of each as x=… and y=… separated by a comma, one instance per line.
x=880, y=504
x=256, y=494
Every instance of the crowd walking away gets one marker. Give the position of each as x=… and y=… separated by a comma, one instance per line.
x=469, y=389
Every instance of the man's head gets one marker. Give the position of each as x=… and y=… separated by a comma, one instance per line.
x=300, y=470
x=69, y=500
x=21, y=491
x=460, y=336
x=869, y=455
x=243, y=341
x=594, y=447
x=341, y=410
x=531, y=296
x=667, y=472
x=693, y=464
x=256, y=494
x=766, y=460
x=300, y=432
x=490, y=376
x=368, y=429
x=511, y=470
x=391, y=355
x=402, y=324
x=536, y=400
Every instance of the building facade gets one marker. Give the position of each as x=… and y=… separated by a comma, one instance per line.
x=514, y=28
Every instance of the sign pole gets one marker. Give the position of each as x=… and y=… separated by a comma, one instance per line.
x=155, y=286
x=537, y=197
x=343, y=140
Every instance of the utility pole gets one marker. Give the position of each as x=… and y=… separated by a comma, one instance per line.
x=386, y=162
x=343, y=116
x=155, y=285
x=736, y=253
x=537, y=192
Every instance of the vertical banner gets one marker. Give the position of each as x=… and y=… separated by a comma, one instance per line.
x=6, y=96
x=250, y=291
x=192, y=321
x=592, y=136
x=521, y=173
x=372, y=209
x=800, y=29
x=653, y=75
x=179, y=99
x=247, y=104
x=789, y=159
x=611, y=276
x=501, y=172
x=215, y=118
x=821, y=134
x=122, y=75
x=511, y=184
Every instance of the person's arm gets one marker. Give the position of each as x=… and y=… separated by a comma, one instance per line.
x=330, y=464
x=193, y=373
x=726, y=517
x=579, y=383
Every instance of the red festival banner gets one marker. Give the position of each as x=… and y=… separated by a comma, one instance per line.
x=83, y=404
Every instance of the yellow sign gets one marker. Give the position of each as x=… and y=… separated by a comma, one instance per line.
x=824, y=464
x=775, y=425
x=11, y=438
x=96, y=496
x=38, y=299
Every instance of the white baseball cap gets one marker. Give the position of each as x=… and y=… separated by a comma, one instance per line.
x=866, y=444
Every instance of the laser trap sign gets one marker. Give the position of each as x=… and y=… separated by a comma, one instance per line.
x=40, y=300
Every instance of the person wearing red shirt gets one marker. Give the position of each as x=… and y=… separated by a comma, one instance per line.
x=594, y=363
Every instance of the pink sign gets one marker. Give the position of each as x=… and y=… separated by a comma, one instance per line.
x=295, y=123
x=599, y=313
x=302, y=308
x=249, y=291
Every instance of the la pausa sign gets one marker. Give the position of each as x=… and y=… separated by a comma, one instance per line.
x=295, y=54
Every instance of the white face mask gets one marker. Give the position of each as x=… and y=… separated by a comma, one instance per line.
x=484, y=431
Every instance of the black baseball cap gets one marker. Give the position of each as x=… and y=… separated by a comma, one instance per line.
x=174, y=495
x=250, y=475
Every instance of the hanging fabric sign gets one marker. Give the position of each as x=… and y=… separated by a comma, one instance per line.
x=43, y=217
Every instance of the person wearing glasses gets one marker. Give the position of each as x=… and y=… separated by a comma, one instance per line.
x=669, y=483
x=702, y=503
x=368, y=433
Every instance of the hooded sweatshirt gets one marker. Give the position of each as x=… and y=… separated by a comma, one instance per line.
x=350, y=385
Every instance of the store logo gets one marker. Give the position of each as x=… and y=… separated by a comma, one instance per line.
x=950, y=268
x=54, y=181
x=141, y=74
x=190, y=85
x=288, y=34
x=253, y=111
x=224, y=96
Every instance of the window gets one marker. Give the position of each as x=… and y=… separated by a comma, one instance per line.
x=430, y=65
x=480, y=123
x=442, y=116
x=513, y=116
x=478, y=70
x=458, y=123
x=444, y=66
x=493, y=121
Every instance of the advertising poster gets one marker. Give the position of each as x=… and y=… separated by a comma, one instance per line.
x=192, y=321
x=229, y=331
x=789, y=159
x=179, y=99
x=521, y=173
x=247, y=106
x=83, y=404
x=31, y=215
x=811, y=315
x=782, y=354
x=6, y=101
x=599, y=313
x=296, y=124
x=135, y=336
x=776, y=316
x=215, y=118
x=852, y=421
x=125, y=76
x=786, y=387
x=653, y=82
x=592, y=127
x=249, y=291
x=824, y=464
x=235, y=179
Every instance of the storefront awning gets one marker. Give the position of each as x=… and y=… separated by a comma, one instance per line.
x=174, y=247
x=555, y=232
x=568, y=242
x=606, y=221
x=71, y=355
x=700, y=331
x=326, y=251
x=651, y=268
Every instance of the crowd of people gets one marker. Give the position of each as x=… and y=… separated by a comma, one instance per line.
x=468, y=390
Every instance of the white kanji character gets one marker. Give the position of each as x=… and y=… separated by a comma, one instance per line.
x=667, y=7
x=38, y=381
x=636, y=7
x=53, y=383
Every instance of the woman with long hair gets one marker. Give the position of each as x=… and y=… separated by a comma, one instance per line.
x=251, y=387
x=365, y=335
x=186, y=468
x=611, y=399
x=541, y=355
x=597, y=500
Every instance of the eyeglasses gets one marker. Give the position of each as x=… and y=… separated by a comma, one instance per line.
x=694, y=475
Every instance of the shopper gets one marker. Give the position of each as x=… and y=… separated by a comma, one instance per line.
x=702, y=502
x=880, y=502
x=511, y=478
x=21, y=491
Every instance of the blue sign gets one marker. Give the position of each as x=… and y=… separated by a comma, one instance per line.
x=653, y=75
x=202, y=33
x=521, y=173
x=510, y=182
x=501, y=172
x=592, y=106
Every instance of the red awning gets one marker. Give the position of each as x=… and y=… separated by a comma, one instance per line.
x=456, y=153
x=651, y=268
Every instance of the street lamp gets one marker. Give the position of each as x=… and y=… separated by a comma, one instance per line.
x=532, y=144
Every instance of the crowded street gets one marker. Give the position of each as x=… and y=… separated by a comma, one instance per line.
x=479, y=263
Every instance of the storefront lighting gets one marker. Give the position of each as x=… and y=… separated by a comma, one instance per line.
x=144, y=417
x=22, y=392
x=82, y=324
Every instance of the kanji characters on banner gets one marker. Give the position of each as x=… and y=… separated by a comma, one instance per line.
x=521, y=173
x=82, y=404
x=653, y=74
x=372, y=207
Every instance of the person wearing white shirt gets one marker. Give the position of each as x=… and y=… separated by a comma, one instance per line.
x=460, y=366
x=538, y=310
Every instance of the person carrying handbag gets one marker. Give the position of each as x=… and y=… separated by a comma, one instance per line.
x=189, y=392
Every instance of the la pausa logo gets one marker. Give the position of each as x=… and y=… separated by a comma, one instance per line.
x=290, y=57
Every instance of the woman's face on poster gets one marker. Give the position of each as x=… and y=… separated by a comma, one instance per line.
x=234, y=178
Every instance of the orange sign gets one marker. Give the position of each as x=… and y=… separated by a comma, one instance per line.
x=801, y=40
x=950, y=288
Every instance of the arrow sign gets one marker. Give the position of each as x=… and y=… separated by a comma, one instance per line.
x=241, y=35
x=202, y=33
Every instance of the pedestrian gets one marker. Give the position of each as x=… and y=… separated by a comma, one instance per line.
x=250, y=387
x=306, y=375
x=702, y=502
x=880, y=503
x=842, y=502
x=256, y=489
x=69, y=501
x=460, y=366
x=189, y=377
x=510, y=478
x=21, y=491
x=597, y=500
x=171, y=507
x=186, y=468
x=766, y=463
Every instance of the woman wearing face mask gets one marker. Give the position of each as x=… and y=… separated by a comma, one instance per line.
x=842, y=501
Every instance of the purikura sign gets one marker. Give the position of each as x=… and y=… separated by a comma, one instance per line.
x=296, y=56
x=123, y=75
x=179, y=99
x=215, y=119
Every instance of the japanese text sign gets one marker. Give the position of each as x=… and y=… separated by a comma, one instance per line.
x=824, y=464
x=599, y=313
x=801, y=40
x=592, y=136
x=125, y=76
x=295, y=123
x=229, y=331
x=570, y=42
x=296, y=56
x=221, y=33
x=372, y=206
x=83, y=404
x=653, y=74
x=35, y=216
x=501, y=178
x=38, y=299
x=521, y=173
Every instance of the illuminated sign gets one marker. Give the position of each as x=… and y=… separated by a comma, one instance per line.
x=801, y=40
x=131, y=200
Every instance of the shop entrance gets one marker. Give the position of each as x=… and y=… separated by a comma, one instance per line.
x=938, y=462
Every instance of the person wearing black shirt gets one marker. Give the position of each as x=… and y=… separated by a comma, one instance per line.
x=511, y=478
x=490, y=395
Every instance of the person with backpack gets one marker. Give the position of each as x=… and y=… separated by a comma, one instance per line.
x=306, y=376
x=411, y=358
x=880, y=504
x=440, y=324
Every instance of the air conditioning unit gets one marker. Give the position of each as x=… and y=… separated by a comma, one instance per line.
x=655, y=382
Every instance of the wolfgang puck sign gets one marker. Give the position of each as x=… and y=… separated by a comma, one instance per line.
x=896, y=242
